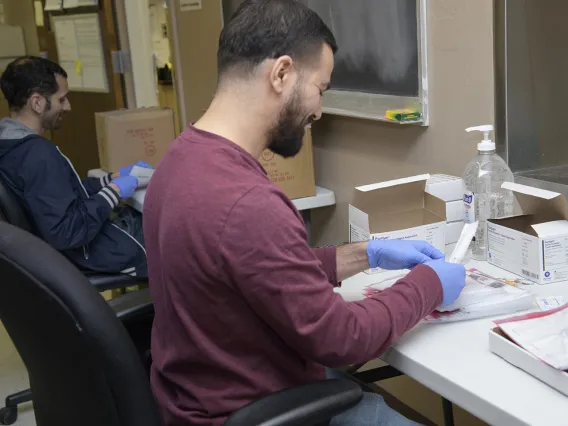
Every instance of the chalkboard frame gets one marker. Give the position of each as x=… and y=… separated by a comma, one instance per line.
x=374, y=106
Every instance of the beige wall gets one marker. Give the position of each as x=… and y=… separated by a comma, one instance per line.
x=21, y=12
x=350, y=152
x=194, y=39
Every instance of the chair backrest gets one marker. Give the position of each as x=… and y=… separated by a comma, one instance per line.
x=82, y=365
x=11, y=209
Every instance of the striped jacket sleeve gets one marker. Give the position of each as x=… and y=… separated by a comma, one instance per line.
x=64, y=219
x=94, y=185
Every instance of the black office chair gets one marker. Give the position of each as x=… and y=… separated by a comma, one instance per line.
x=12, y=212
x=134, y=309
x=70, y=339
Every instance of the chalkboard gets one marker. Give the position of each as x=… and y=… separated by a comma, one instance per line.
x=378, y=44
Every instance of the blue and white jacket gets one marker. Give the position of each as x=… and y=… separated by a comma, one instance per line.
x=70, y=214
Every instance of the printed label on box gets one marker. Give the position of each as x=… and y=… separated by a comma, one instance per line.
x=358, y=234
x=513, y=251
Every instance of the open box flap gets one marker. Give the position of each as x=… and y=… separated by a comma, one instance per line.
x=391, y=196
x=535, y=200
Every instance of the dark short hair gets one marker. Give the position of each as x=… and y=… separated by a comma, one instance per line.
x=268, y=29
x=27, y=75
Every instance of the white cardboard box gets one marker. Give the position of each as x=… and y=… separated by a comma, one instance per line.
x=450, y=249
x=445, y=187
x=397, y=210
x=538, y=254
x=454, y=211
x=500, y=345
x=453, y=231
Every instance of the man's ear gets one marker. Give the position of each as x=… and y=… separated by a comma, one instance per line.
x=281, y=74
x=37, y=103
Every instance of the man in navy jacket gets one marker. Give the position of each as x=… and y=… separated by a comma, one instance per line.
x=80, y=218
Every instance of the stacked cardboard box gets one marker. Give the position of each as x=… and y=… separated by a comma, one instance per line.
x=450, y=189
x=127, y=135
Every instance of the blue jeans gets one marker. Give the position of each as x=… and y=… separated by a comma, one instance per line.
x=371, y=411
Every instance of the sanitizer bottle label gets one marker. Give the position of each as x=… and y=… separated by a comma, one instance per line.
x=469, y=207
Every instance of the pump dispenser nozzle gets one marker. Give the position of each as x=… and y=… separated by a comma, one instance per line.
x=486, y=144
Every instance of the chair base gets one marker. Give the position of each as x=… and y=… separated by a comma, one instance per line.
x=9, y=414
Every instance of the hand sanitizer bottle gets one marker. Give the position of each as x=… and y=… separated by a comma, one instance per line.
x=484, y=198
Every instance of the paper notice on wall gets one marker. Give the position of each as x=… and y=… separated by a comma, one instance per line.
x=69, y=4
x=38, y=14
x=190, y=5
x=80, y=50
x=53, y=5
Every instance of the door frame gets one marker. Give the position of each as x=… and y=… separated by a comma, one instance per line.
x=133, y=21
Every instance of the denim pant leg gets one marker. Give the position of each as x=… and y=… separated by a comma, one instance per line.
x=371, y=411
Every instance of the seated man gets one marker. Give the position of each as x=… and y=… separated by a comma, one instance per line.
x=78, y=217
x=244, y=307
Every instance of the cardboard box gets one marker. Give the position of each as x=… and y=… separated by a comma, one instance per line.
x=445, y=187
x=295, y=176
x=128, y=135
x=504, y=347
x=453, y=231
x=397, y=210
x=516, y=245
x=455, y=211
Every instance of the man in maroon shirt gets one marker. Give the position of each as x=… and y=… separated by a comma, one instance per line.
x=244, y=307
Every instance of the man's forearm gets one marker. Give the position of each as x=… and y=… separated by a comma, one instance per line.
x=351, y=259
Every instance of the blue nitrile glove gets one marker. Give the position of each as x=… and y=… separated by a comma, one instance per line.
x=400, y=254
x=452, y=277
x=127, y=185
x=125, y=171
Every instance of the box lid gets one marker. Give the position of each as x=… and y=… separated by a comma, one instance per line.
x=536, y=201
x=391, y=196
x=505, y=348
x=397, y=204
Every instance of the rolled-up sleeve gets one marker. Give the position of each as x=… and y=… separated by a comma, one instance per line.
x=328, y=258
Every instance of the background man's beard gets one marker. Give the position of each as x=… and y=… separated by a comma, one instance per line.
x=286, y=138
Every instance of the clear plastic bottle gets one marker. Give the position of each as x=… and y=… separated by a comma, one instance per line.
x=484, y=198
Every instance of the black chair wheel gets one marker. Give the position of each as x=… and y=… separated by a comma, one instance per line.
x=8, y=415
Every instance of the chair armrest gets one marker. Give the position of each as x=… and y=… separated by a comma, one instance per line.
x=103, y=281
x=133, y=306
x=307, y=405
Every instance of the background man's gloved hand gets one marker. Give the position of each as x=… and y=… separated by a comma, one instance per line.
x=126, y=186
x=452, y=277
x=400, y=254
x=125, y=171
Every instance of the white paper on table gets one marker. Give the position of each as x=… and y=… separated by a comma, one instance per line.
x=484, y=296
x=142, y=174
x=544, y=334
x=549, y=303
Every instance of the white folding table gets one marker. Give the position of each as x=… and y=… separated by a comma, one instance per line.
x=455, y=362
